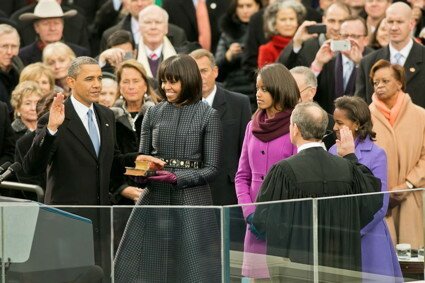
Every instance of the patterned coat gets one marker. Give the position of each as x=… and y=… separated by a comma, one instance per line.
x=257, y=158
x=175, y=244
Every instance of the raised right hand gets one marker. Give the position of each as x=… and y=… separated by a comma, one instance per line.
x=324, y=55
x=57, y=113
x=302, y=35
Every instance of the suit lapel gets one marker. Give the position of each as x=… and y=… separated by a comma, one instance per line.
x=413, y=63
x=76, y=127
x=339, y=81
x=219, y=102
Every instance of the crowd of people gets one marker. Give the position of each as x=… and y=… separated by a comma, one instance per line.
x=240, y=102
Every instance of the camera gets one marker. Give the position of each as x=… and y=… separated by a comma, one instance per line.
x=319, y=28
x=340, y=45
x=128, y=55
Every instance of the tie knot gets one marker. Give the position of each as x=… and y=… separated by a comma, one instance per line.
x=90, y=114
x=397, y=58
x=153, y=56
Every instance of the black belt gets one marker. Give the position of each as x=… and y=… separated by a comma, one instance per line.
x=178, y=163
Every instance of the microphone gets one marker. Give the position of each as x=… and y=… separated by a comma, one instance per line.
x=15, y=167
x=4, y=166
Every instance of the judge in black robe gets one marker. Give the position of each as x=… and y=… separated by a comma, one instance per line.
x=314, y=173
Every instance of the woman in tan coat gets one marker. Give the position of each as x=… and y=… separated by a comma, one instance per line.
x=400, y=131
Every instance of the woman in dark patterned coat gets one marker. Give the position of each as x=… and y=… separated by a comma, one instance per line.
x=176, y=244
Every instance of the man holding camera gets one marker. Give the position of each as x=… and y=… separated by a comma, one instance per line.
x=336, y=62
x=308, y=39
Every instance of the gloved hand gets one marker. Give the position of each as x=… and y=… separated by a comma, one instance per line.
x=141, y=180
x=251, y=227
x=164, y=176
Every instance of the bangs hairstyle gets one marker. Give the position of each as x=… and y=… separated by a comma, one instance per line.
x=182, y=68
x=398, y=72
x=281, y=85
x=357, y=111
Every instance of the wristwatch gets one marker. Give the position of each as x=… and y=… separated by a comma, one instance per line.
x=409, y=185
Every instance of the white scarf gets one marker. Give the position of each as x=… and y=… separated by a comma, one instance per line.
x=167, y=51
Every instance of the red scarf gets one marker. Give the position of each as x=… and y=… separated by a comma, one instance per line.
x=266, y=129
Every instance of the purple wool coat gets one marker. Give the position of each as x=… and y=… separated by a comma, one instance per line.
x=256, y=159
x=378, y=254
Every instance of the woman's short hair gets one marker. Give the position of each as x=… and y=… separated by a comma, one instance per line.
x=136, y=65
x=23, y=90
x=397, y=70
x=271, y=12
x=54, y=48
x=184, y=69
x=357, y=111
x=34, y=71
x=281, y=85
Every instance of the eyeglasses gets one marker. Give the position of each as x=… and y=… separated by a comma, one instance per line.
x=354, y=36
x=6, y=47
x=301, y=91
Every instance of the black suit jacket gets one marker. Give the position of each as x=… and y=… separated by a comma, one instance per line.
x=304, y=57
x=183, y=14
x=7, y=136
x=176, y=35
x=235, y=112
x=31, y=53
x=74, y=31
x=331, y=82
x=414, y=68
x=75, y=175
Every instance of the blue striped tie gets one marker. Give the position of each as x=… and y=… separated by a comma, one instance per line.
x=93, y=132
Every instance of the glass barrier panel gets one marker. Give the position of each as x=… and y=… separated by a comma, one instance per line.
x=375, y=237
x=271, y=241
x=167, y=244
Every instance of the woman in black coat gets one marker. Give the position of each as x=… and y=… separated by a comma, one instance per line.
x=234, y=25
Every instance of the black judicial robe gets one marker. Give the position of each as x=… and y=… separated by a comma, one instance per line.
x=315, y=173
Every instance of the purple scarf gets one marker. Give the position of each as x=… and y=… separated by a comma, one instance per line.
x=269, y=129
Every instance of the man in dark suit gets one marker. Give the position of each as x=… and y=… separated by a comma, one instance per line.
x=183, y=14
x=75, y=143
x=402, y=50
x=176, y=35
x=235, y=112
x=315, y=173
x=336, y=71
x=307, y=85
x=74, y=31
x=48, y=20
x=10, y=64
x=63, y=138
x=304, y=46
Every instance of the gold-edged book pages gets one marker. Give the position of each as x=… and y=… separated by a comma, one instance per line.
x=142, y=168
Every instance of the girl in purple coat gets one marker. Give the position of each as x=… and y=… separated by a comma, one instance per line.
x=266, y=142
x=378, y=254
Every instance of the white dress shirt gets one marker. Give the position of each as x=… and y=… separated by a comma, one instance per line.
x=210, y=98
x=404, y=52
